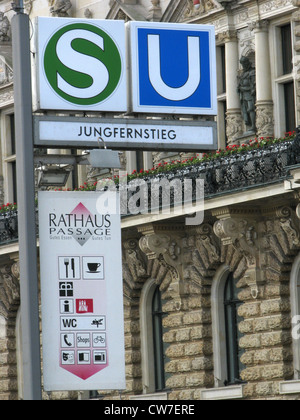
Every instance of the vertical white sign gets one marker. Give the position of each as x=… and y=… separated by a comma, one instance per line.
x=82, y=293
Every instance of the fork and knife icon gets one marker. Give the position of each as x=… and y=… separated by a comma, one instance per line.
x=72, y=267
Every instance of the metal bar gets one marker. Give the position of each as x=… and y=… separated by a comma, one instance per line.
x=26, y=206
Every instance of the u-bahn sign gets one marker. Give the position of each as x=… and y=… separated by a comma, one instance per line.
x=81, y=65
x=173, y=68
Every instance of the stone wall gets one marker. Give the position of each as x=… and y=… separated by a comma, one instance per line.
x=259, y=247
x=9, y=303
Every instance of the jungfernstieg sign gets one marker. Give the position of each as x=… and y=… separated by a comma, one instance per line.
x=81, y=65
x=82, y=293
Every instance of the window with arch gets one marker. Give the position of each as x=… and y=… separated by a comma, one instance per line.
x=295, y=312
x=226, y=335
x=232, y=319
x=152, y=346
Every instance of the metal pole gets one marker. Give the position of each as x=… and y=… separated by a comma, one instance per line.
x=26, y=208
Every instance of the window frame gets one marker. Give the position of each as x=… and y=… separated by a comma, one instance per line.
x=147, y=343
x=279, y=79
x=8, y=156
x=219, y=327
x=221, y=95
x=231, y=304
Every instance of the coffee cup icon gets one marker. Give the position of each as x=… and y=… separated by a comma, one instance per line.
x=93, y=267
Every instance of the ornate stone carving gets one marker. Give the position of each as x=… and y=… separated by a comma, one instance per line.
x=190, y=255
x=134, y=259
x=6, y=96
x=4, y=28
x=259, y=25
x=155, y=12
x=198, y=7
x=6, y=72
x=60, y=8
x=226, y=36
x=264, y=119
x=266, y=237
x=241, y=231
x=88, y=13
x=165, y=244
x=234, y=125
x=9, y=286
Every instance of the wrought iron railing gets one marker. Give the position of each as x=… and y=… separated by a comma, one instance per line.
x=229, y=173
x=224, y=175
x=8, y=227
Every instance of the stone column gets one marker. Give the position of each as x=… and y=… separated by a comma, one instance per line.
x=264, y=102
x=233, y=114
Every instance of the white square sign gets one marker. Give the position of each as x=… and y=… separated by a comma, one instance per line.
x=82, y=292
x=81, y=64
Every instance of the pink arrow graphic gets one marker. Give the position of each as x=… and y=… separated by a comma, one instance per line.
x=85, y=371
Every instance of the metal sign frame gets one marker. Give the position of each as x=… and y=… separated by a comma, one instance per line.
x=124, y=133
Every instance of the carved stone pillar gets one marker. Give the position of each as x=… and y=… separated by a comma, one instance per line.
x=234, y=122
x=264, y=102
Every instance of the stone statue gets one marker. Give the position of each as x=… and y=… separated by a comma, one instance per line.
x=4, y=28
x=247, y=92
x=60, y=8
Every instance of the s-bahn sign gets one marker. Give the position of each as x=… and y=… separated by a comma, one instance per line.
x=82, y=65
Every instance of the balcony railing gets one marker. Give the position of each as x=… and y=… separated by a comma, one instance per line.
x=8, y=227
x=224, y=175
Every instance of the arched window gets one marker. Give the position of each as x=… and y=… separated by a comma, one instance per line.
x=225, y=320
x=232, y=319
x=158, y=348
x=152, y=346
x=295, y=312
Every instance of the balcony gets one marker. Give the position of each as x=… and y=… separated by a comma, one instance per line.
x=229, y=173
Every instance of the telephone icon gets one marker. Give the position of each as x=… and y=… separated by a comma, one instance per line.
x=66, y=340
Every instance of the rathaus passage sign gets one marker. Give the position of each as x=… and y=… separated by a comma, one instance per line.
x=82, y=293
x=103, y=65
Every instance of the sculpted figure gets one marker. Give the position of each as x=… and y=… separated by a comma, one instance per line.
x=60, y=8
x=247, y=92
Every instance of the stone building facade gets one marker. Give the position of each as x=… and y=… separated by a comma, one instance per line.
x=210, y=310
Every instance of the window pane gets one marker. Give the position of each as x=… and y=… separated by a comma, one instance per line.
x=234, y=352
x=14, y=181
x=12, y=134
x=289, y=105
x=286, y=42
x=157, y=315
